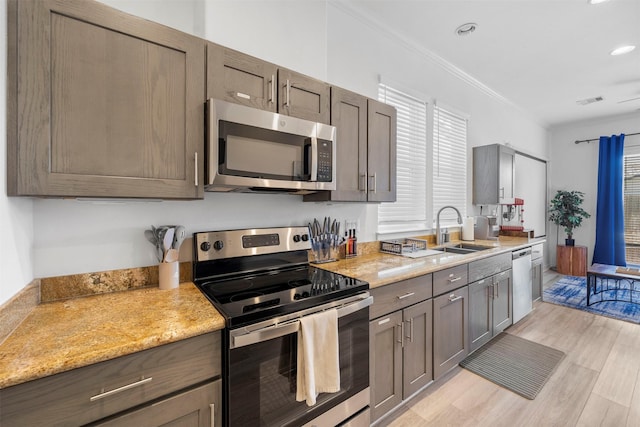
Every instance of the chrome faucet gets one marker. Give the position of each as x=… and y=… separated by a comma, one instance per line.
x=438, y=235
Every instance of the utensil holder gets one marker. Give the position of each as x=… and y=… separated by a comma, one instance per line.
x=169, y=275
x=324, y=254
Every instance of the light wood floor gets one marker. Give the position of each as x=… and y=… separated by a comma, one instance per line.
x=597, y=383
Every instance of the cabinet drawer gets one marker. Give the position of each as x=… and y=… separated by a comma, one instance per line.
x=489, y=266
x=396, y=296
x=537, y=251
x=449, y=279
x=193, y=408
x=83, y=395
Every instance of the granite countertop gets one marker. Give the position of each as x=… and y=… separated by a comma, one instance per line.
x=63, y=335
x=59, y=336
x=381, y=269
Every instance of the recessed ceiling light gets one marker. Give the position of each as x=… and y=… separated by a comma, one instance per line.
x=622, y=50
x=466, y=29
x=597, y=1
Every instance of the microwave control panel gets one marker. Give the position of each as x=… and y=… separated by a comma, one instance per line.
x=325, y=160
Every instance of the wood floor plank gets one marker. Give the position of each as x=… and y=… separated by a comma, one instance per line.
x=617, y=378
x=633, y=419
x=602, y=412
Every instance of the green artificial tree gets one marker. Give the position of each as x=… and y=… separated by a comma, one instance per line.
x=565, y=211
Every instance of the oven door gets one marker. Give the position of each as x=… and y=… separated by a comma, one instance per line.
x=261, y=372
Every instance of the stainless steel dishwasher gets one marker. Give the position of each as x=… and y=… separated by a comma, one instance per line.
x=522, y=299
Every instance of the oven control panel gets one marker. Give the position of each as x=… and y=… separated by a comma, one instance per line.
x=256, y=241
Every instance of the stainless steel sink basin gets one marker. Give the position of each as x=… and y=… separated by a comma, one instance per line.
x=463, y=248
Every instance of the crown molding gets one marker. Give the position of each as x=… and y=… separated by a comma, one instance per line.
x=410, y=44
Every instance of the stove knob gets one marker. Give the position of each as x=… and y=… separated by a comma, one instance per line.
x=296, y=238
x=305, y=294
x=305, y=237
x=205, y=246
x=218, y=245
x=297, y=296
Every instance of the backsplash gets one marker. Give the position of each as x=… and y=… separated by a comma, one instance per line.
x=79, y=285
x=13, y=312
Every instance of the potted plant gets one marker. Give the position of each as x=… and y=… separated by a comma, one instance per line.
x=565, y=211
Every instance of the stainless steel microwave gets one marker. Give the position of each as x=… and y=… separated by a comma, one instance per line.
x=252, y=150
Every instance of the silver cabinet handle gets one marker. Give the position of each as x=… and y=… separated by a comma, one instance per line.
x=400, y=331
x=410, y=294
x=410, y=330
x=272, y=83
x=497, y=290
x=195, y=160
x=243, y=95
x=213, y=414
x=363, y=182
x=502, y=192
x=453, y=297
x=375, y=184
x=287, y=102
x=104, y=394
x=455, y=279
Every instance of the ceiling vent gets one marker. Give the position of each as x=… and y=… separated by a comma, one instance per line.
x=590, y=100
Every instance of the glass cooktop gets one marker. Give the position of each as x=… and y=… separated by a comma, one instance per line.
x=250, y=298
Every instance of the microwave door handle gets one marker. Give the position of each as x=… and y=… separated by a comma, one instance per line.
x=314, y=159
x=212, y=131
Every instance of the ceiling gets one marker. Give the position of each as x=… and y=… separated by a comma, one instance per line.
x=542, y=55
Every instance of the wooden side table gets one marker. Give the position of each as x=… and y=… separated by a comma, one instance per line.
x=571, y=260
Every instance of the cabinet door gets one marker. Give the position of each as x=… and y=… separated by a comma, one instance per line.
x=349, y=116
x=385, y=352
x=480, y=313
x=449, y=330
x=536, y=279
x=502, y=311
x=381, y=136
x=199, y=407
x=303, y=97
x=506, y=184
x=102, y=104
x=242, y=79
x=418, y=347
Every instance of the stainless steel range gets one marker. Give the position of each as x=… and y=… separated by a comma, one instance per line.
x=260, y=280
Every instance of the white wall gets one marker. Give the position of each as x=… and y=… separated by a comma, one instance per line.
x=16, y=215
x=317, y=38
x=575, y=167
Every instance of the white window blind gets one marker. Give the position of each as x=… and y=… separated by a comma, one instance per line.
x=409, y=212
x=632, y=208
x=449, y=164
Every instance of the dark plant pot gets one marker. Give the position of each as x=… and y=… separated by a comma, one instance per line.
x=570, y=242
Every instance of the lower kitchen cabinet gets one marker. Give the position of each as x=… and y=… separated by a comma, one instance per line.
x=174, y=383
x=199, y=407
x=450, y=326
x=401, y=356
x=489, y=308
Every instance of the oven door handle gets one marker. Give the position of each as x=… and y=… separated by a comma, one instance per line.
x=291, y=326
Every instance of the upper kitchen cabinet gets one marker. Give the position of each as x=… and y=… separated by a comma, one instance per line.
x=493, y=175
x=243, y=79
x=365, y=151
x=102, y=104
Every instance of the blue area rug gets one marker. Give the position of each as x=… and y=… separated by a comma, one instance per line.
x=571, y=292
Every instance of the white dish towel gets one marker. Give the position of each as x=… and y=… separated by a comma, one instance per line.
x=318, y=356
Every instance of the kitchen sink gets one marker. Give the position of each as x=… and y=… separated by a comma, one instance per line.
x=463, y=248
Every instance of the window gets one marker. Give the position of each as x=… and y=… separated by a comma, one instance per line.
x=431, y=165
x=449, y=164
x=631, y=191
x=409, y=211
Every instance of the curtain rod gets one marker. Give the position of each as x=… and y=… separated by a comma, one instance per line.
x=598, y=139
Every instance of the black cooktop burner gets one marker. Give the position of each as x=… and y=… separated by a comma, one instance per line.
x=249, y=298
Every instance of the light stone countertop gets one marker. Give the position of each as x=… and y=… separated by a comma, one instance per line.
x=381, y=269
x=59, y=336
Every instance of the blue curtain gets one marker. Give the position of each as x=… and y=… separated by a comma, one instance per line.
x=610, y=248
